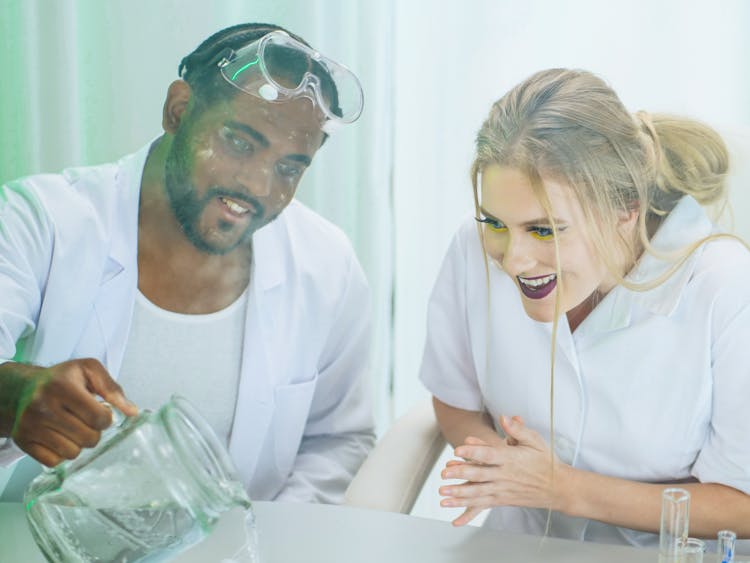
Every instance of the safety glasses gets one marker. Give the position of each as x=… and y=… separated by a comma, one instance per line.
x=277, y=68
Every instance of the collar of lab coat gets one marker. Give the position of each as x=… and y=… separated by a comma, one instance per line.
x=122, y=251
x=269, y=254
x=685, y=224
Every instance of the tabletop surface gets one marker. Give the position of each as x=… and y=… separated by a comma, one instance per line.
x=288, y=533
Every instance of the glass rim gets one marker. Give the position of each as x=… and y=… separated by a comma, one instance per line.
x=216, y=479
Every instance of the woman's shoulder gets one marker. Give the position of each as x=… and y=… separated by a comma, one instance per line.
x=725, y=256
x=722, y=271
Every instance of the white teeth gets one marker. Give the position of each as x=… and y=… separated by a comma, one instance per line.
x=538, y=282
x=234, y=206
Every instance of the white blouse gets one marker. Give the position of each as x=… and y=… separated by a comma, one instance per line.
x=652, y=386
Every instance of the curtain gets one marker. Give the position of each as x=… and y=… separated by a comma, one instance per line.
x=84, y=82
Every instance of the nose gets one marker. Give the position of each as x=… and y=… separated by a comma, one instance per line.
x=512, y=253
x=255, y=178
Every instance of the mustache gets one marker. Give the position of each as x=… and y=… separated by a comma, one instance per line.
x=215, y=191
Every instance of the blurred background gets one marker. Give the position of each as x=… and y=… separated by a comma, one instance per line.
x=83, y=82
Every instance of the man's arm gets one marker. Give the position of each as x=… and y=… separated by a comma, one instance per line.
x=50, y=413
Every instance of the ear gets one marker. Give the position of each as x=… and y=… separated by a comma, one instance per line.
x=178, y=97
x=628, y=221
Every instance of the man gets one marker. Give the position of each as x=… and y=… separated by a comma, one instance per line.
x=189, y=268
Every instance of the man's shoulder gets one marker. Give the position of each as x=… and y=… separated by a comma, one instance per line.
x=74, y=185
x=71, y=176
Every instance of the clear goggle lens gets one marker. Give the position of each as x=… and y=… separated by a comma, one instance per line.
x=277, y=68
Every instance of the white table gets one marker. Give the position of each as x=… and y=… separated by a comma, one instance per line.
x=290, y=533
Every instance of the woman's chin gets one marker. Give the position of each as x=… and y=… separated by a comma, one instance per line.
x=539, y=314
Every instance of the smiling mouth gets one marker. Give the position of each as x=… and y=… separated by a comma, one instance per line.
x=237, y=208
x=537, y=287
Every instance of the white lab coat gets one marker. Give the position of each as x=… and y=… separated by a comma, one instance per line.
x=652, y=386
x=68, y=277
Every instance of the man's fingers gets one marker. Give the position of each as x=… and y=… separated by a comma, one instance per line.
x=50, y=447
x=42, y=454
x=84, y=406
x=100, y=382
x=74, y=428
x=118, y=400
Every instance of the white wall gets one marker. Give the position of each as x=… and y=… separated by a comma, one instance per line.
x=454, y=59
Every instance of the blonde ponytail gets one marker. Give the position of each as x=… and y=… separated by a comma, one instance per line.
x=689, y=157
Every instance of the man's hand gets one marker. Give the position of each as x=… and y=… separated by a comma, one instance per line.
x=52, y=413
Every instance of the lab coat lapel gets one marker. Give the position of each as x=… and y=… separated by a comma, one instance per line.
x=255, y=394
x=114, y=305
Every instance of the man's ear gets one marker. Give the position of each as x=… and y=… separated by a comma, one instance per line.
x=178, y=97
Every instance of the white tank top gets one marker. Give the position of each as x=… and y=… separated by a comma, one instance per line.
x=196, y=356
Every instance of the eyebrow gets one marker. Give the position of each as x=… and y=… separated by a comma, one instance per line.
x=264, y=142
x=530, y=223
x=303, y=158
x=255, y=134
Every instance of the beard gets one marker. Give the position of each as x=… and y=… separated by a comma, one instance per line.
x=188, y=207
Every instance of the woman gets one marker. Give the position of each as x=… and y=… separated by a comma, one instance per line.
x=597, y=308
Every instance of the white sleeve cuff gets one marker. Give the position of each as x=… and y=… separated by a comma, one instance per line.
x=9, y=453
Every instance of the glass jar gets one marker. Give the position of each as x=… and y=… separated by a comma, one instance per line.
x=154, y=485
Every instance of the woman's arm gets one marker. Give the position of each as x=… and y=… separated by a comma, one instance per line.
x=631, y=504
x=457, y=424
x=526, y=474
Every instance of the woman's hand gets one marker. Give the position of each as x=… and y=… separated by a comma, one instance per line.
x=517, y=473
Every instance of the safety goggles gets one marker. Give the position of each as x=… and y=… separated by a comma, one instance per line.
x=278, y=68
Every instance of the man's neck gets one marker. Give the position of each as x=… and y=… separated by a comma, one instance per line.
x=172, y=272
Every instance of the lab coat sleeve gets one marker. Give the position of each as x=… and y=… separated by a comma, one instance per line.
x=25, y=250
x=448, y=370
x=339, y=432
x=725, y=455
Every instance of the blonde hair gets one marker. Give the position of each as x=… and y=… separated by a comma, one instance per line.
x=569, y=125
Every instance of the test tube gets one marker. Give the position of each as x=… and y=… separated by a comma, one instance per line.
x=725, y=545
x=691, y=550
x=673, y=532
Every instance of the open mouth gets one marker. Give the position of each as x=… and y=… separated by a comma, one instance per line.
x=537, y=287
x=236, y=208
